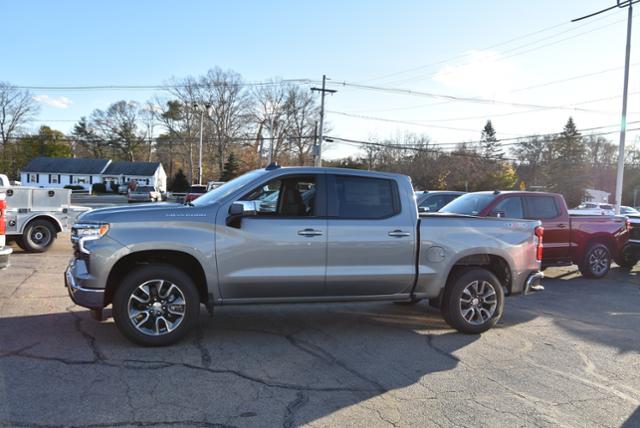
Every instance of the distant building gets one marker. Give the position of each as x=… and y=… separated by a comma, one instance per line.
x=59, y=172
x=593, y=195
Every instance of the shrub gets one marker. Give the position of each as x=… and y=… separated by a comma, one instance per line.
x=98, y=188
x=73, y=187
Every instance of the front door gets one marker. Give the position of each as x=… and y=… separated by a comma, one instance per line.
x=372, y=238
x=280, y=252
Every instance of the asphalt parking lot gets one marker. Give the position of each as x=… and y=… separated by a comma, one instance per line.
x=569, y=356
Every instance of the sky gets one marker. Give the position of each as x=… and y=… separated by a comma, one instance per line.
x=522, y=64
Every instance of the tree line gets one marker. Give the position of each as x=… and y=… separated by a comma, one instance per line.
x=242, y=121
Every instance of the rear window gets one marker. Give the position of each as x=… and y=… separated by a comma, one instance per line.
x=144, y=189
x=469, y=204
x=197, y=189
x=542, y=207
x=364, y=198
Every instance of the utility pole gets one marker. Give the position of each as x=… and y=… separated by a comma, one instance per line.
x=202, y=108
x=316, y=158
x=623, y=121
x=323, y=90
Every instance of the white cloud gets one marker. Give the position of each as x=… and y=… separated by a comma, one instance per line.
x=56, y=102
x=484, y=73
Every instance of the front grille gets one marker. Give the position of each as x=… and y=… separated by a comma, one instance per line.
x=634, y=233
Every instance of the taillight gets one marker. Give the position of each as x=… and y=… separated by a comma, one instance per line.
x=3, y=207
x=539, y=232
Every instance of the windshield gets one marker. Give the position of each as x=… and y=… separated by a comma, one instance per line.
x=469, y=204
x=227, y=188
x=628, y=210
x=144, y=189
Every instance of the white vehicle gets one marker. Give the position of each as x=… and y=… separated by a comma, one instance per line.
x=5, y=251
x=34, y=216
x=593, y=208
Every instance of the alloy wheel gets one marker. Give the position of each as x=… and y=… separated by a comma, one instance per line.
x=478, y=302
x=156, y=307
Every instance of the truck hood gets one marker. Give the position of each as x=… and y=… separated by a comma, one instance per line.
x=141, y=213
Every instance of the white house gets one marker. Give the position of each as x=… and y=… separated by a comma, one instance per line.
x=59, y=172
x=593, y=195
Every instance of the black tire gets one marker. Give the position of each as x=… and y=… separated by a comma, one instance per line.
x=38, y=236
x=155, y=275
x=596, y=262
x=459, y=298
x=627, y=259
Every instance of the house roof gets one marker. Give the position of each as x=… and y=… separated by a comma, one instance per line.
x=66, y=165
x=132, y=168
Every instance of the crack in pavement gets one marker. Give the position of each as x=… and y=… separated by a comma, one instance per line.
x=28, y=277
x=160, y=365
x=292, y=408
x=91, y=341
x=318, y=352
x=179, y=423
x=205, y=356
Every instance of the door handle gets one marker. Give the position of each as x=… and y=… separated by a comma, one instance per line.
x=309, y=232
x=398, y=233
x=561, y=226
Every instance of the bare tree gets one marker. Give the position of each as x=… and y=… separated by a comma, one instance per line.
x=119, y=127
x=230, y=110
x=302, y=115
x=17, y=108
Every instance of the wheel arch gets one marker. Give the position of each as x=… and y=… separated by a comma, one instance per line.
x=494, y=263
x=178, y=259
x=51, y=219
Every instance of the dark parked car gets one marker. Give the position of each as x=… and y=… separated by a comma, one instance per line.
x=432, y=201
x=590, y=242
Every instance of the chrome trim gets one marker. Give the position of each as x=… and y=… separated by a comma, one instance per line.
x=531, y=280
x=72, y=283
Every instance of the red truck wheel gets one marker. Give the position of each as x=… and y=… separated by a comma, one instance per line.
x=596, y=262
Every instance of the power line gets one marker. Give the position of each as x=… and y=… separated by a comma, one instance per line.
x=514, y=52
x=463, y=55
x=160, y=87
x=476, y=100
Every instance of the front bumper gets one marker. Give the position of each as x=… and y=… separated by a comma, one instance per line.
x=4, y=257
x=74, y=277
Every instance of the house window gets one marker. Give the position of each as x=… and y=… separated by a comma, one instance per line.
x=54, y=179
x=33, y=178
x=80, y=179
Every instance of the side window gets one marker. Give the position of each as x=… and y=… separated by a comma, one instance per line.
x=509, y=207
x=435, y=202
x=542, y=207
x=286, y=197
x=365, y=198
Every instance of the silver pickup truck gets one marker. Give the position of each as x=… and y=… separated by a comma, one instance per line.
x=327, y=235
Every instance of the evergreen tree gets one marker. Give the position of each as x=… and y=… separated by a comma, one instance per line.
x=179, y=182
x=230, y=169
x=567, y=171
x=490, y=145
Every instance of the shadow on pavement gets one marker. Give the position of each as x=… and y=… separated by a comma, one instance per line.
x=285, y=364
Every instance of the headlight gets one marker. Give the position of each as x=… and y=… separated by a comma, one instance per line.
x=82, y=233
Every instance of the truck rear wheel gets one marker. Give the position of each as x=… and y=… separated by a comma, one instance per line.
x=627, y=259
x=156, y=305
x=37, y=237
x=596, y=262
x=473, y=301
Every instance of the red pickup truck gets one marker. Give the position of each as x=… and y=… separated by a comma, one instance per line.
x=590, y=242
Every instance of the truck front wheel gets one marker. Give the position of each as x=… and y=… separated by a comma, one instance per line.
x=473, y=301
x=156, y=305
x=596, y=262
x=37, y=237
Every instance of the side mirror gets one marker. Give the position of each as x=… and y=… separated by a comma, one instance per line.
x=240, y=209
x=498, y=214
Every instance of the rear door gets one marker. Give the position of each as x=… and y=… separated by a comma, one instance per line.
x=556, y=240
x=371, y=248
